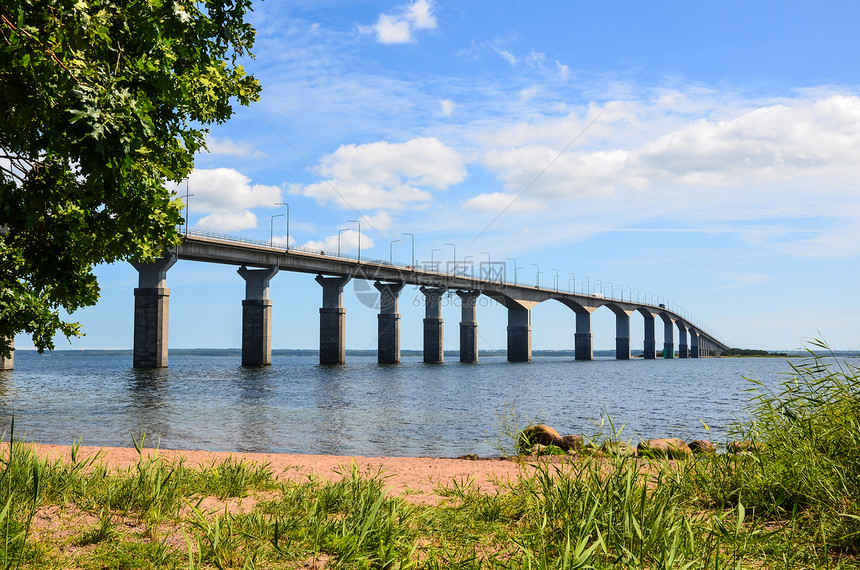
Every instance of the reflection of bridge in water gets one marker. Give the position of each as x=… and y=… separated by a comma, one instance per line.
x=259, y=261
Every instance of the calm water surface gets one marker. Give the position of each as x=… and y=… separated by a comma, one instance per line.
x=205, y=401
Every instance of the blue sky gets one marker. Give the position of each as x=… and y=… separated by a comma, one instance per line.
x=708, y=153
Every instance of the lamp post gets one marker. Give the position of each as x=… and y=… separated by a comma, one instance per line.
x=587, y=285
x=555, y=282
x=454, y=247
x=611, y=289
x=515, y=267
x=432, y=263
x=413, y=247
x=340, y=231
x=601, y=285
x=571, y=279
x=391, y=251
x=272, y=229
x=537, y=275
x=287, y=213
x=465, y=265
x=359, y=237
x=489, y=263
x=187, y=196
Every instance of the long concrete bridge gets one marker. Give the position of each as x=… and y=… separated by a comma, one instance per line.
x=259, y=261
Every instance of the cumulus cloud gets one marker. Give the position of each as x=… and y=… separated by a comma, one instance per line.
x=226, y=197
x=399, y=28
x=563, y=70
x=345, y=241
x=507, y=56
x=500, y=201
x=384, y=175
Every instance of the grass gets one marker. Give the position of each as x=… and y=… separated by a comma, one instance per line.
x=792, y=500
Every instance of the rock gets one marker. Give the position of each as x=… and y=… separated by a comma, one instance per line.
x=540, y=433
x=740, y=446
x=572, y=443
x=702, y=446
x=617, y=448
x=671, y=447
x=470, y=457
x=537, y=449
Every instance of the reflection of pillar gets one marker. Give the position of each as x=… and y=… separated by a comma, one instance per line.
x=332, y=320
x=650, y=348
x=434, y=352
x=388, y=348
x=622, y=336
x=257, y=317
x=468, y=326
x=668, y=339
x=582, y=347
x=519, y=334
x=9, y=363
x=694, y=344
x=151, y=304
x=683, y=351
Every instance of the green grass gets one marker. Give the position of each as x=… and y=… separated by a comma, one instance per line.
x=792, y=501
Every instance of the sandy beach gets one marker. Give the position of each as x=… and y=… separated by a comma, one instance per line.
x=415, y=478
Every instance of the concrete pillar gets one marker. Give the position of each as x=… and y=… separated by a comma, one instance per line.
x=650, y=348
x=582, y=346
x=468, y=325
x=622, y=336
x=151, y=310
x=434, y=352
x=257, y=317
x=694, y=344
x=668, y=339
x=519, y=334
x=9, y=363
x=683, y=351
x=388, y=347
x=332, y=320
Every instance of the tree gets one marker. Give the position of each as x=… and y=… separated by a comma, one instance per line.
x=103, y=104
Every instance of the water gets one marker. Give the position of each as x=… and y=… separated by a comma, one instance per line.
x=206, y=400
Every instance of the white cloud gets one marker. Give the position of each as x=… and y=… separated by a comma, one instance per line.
x=229, y=147
x=385, y=175
x=447, y=107
x=563, y=70
x=508, y=56
x=226, y=197
x=735, y=280
x=347, y=241
x=400, y=28
x=499, y=201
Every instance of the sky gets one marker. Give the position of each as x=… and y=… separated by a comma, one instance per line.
x=706, y=154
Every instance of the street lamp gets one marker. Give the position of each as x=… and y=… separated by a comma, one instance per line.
x=359, y=237
x=601, y=285
x=611, y=289
x=432, y=263
x=515, y=267
x=187, y=196
x=570, y=280
x=489, y=263
x=391, y=251
x=465, y=265
x=556, y=278
x=537, y=275
x=587, y=285
x=287, y=212
x=272, y=229
x=413, y=247
x=454, y=247
x=338, y=239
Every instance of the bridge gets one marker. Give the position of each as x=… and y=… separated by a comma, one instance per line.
x=259, y=261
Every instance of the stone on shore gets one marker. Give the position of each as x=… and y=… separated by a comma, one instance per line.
x=702, y=446
x=617, y=448
x=671, y=447
x=540, y=433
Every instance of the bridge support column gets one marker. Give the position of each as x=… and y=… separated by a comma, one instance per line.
x=257, y=316
x=683, y=350
x=9, y=363
x=519, y=334
x=668, y=339
x=151, y=310
x=332, y=320
x=694, y=344
x=434, y=352
x=388, y=347
x=468, y=325
x=582, y=346
x=622, y=336
x=650, y=348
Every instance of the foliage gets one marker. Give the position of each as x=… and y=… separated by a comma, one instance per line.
x=104, y=103
x=751, y=352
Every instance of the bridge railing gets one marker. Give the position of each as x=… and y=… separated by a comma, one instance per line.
x=449, y=270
